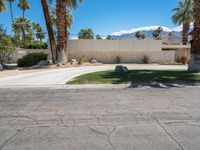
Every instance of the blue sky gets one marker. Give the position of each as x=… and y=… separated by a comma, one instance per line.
x=106, y=16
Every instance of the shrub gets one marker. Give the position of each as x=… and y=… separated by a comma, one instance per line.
x=146, y=59
x=36, y=45
x=81, y=60
x=184, y=60
x=117, y=59
x=31, y=59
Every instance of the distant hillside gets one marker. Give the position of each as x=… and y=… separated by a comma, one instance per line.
x=130, y=34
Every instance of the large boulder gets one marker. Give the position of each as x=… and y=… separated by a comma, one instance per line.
x=73, y=61
x=121, y=68
x=93, y=61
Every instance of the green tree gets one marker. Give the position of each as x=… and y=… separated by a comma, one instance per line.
x=2, y=5
x=86, y=34
x=109, y=37
x=195, y=43
x=23, y=5
x=98, y=37
x=138, y=35
x=157, y=33
x=183, y=16
x=6, y=48
x=40, y=34
x=22, y=25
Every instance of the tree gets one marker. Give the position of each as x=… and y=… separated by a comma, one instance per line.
x=24, y=5
x=6, y=48
x=2, y=31
x=61, y=12
x=86, y=34
x=11, y=11
x=22, y=25
x=143, y=36
x=109, y=37
x=183, y=16
x=138, y=35
x=157, y=33
x=2, y=5
x=49, y=26
x=195, y=43
x=40, y=34
x=98, y=37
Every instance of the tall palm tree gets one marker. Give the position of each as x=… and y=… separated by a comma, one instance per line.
x=183, y=16
x=195, y=43
x=2, y=5
x=22, y=25
x=49, y=26
x=24, y=5
x=11, y=11
x=61, y=12
x=40, y=34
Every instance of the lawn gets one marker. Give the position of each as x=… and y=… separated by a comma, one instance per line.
x=138, y=76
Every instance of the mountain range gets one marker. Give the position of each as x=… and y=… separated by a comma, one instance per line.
x=148, y=30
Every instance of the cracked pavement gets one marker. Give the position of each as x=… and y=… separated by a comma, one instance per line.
x=100, y=119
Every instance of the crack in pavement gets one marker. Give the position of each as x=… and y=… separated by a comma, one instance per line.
x=165, y=130
x=10, y=138
x=109, y=140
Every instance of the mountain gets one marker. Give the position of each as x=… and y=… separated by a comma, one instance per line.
x=148, y=30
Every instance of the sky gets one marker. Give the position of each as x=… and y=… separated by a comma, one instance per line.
x=105, y=16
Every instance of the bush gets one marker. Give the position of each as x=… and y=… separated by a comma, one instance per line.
x=31, y=59
x=184, y=60
x=146, y=59
x=81, y=60
x=117, y=59
x=37, y=45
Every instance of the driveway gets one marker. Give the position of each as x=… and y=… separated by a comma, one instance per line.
x=100, y=119
x=61, y=76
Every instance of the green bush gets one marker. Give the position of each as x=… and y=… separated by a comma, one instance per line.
x=37, y=45
x=31, y=59
x=81, y=60
x=117, y=59
x=146, y=59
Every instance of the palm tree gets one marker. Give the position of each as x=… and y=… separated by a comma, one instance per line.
x=98, y=37
x=2, y=5
x=24, y=5
x=22, y=25
x=195, y=43
x=61, y=12
x=11, y=11
x=40, y=34
x=86, y=34
x=49, y=26
x=183, y=16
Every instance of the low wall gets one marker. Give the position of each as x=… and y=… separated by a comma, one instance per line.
x=126, y=56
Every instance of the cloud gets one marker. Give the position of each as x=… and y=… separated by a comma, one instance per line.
x=148, y=28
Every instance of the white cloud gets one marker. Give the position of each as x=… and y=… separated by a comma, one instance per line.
x=148, y=28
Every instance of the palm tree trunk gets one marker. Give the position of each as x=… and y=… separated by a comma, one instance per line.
x=23, y=13
x=50, y=30
x=194, y=65
x=186, y=28
x=11, y=12
x=23, y=39
x=62, y=30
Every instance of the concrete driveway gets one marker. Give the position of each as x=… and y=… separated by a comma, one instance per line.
x=100, y=119
x=61, y=76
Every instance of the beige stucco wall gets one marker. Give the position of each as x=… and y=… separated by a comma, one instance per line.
x=114, y=45
x=126, y=56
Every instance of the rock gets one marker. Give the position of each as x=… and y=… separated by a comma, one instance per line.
x=73, y=61
x=93, y=61
x=42, y=63
x=121, y=69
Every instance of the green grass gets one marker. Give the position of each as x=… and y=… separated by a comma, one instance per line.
x=138, y=76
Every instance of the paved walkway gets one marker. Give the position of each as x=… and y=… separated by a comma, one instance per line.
x=61, y=76
x=100, y=119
